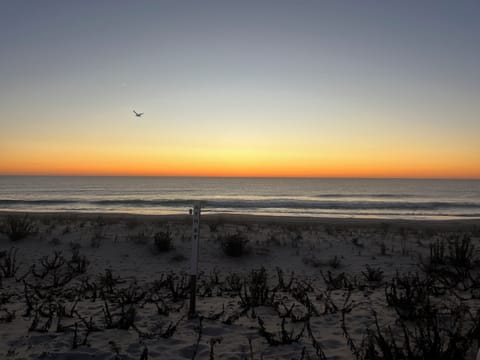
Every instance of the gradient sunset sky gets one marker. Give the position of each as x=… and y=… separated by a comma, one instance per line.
x=240, y=88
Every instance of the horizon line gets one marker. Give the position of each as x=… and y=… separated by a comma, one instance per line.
x=249, y=176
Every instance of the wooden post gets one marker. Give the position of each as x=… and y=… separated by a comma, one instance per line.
x=194, y=258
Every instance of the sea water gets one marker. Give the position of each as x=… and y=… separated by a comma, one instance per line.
x=358, y=198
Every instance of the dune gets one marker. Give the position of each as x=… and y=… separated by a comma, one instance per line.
x=116, y=286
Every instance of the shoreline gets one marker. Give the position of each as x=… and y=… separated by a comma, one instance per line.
x=447, y=224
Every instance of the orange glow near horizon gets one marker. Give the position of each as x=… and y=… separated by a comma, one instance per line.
x=236, y=163
x=323, y=149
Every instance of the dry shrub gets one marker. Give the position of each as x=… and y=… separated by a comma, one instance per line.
x=234, y=245
x=163, y=241
x=18, y=227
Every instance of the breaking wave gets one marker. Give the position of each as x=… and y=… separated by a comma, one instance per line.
x=250, y=204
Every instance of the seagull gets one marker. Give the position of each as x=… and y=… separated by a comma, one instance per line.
x=137, y=114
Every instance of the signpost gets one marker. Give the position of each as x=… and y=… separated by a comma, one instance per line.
x=194, y=258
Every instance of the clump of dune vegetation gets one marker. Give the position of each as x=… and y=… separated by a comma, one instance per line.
x=18, y=227
x=234, y=245
x=163, y=241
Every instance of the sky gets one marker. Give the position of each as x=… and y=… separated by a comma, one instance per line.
x=240, y=88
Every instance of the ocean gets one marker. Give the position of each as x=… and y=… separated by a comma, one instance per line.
x=346, y=198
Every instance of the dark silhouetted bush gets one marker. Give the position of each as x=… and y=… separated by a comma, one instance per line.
x=8, y=263
x=18, y=227
x=461, y=252
x=408, y=295
x=436, y=335
x=373, y=274
x=437, y=253
x=163, y=241
x=234, y=245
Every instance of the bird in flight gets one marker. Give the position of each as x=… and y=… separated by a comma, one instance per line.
x=137, y=114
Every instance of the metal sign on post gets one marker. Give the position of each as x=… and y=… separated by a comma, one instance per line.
x=194, y=258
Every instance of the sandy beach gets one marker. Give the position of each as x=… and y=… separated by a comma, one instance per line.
x=115, y=286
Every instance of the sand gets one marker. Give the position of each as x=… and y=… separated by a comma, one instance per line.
x=95, y=286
